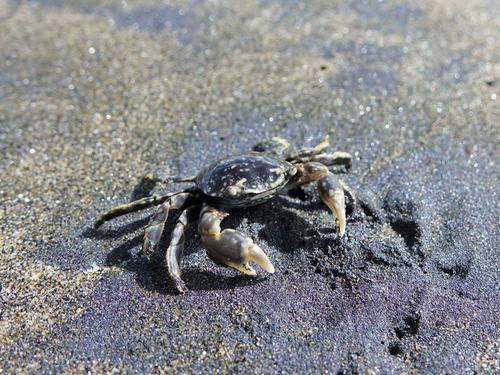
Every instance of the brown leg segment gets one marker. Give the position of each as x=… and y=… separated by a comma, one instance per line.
x=316, y=154
x=151, y=176
x=137, y=205
x=306, y=153
x=331, y=159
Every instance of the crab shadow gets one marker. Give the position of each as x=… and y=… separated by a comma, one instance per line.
x=276, y=222
x=155, y=278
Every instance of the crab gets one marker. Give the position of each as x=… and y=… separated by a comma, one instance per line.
x=236, y=181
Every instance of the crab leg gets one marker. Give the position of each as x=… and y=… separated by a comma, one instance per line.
x=175, y=250
x=306, y=153
x=166, y=179
x=230, y=247
x=329, y=159
x=137, y=205
x=154, y=229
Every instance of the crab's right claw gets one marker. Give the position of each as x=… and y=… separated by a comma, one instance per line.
x=332, y=193
x=230, y=248
x=236, y=250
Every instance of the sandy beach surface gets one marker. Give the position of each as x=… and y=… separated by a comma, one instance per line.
x=94, y=94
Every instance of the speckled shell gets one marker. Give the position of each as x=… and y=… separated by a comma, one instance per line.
x=244, y=180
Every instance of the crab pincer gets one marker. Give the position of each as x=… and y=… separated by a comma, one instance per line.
x=330, y=189
x=230, y=248
x=331, y=192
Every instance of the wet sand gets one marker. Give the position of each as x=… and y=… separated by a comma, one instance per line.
x=93, y=94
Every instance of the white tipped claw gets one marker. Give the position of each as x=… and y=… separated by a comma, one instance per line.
x=332, y=194
x=230, y=247
x=340, y=218
x=336, y=203
x=257, y=255
x=234, y=249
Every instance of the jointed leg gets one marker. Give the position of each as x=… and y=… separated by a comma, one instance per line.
x=154, y=229
x=230, y=247
x=166, y=179
x=316, y=154
x=329, y=159
x=308, y=152
x=176, y=248
x=137, y=205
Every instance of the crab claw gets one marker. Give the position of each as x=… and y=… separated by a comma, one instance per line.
x=234, y=249
x=257, y=255
x=332, y=193
x=230, y=248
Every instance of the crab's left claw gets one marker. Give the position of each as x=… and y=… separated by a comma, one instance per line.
x=331, y=191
